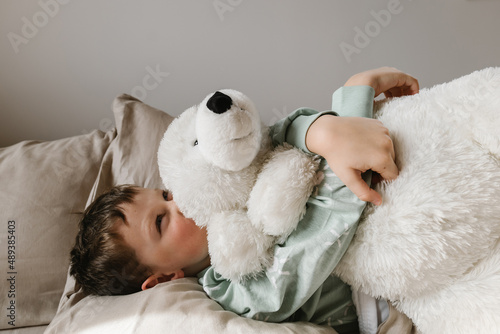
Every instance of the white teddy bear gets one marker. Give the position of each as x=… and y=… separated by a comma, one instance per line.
x=217, y=160
x=433, y=247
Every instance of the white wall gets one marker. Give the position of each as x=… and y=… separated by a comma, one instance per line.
x=60, y=78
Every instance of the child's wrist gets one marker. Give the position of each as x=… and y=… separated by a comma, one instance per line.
x=361, y=79
x=320, y=133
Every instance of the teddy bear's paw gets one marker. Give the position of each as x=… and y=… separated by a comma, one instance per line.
x=237, y=249
x=280, y=222
x=278, y=199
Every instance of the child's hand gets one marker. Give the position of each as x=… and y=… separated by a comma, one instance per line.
x=387, y=80
x=351, y=146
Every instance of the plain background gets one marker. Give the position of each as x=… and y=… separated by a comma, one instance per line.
x=63, y=62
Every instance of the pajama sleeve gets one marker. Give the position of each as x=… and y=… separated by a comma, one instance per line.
x=352, y=101
x=292, y=288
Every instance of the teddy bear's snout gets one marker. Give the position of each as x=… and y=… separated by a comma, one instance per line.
x=219, y=103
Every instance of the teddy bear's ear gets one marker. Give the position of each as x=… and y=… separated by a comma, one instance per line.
x=219, y=103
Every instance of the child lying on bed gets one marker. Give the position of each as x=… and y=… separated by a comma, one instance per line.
x=121, y=247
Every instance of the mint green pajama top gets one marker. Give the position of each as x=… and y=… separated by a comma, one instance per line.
x=299, y=286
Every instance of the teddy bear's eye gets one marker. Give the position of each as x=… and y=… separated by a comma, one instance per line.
x=195, y=142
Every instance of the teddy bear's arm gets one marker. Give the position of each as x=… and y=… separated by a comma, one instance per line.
x=278, y=199
x=237, y=248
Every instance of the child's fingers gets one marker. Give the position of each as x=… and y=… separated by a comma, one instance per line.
x=352, y=179
x=411, y=87
x=388, y=171
x=394, y=83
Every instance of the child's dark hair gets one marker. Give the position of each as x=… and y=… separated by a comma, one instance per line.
x=101, y=262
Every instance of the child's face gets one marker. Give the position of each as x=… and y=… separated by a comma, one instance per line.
x=163, y=239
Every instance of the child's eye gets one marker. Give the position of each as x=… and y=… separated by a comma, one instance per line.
x=159, y=218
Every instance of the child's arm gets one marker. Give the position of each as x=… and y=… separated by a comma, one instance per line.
x=388, y=80
x=352, y=146
x=338, y=137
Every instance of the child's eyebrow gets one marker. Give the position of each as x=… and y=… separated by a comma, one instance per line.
x=120, y=215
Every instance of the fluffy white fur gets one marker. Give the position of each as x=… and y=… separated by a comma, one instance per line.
x=433, y=247
x=223, y=173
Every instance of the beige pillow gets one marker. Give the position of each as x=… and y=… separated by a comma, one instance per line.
x=180, y=306
x=132, y=157
x=43, y=186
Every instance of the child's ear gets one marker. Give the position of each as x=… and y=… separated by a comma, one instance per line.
x=154, y=279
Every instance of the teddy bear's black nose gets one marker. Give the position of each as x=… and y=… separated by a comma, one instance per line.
x=219, y=103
